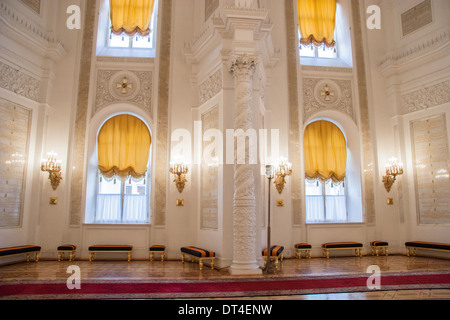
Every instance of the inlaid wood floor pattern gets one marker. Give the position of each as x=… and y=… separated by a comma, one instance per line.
x=175, y=270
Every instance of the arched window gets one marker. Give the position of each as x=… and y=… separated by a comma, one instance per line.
x=123, y=148
x=325, y=151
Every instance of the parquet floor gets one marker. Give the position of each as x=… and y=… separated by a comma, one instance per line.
x=175, y=270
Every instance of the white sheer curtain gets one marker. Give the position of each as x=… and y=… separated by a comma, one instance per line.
x=336, y=208
x=108, y=208
x=135, y=209
x=315, y=210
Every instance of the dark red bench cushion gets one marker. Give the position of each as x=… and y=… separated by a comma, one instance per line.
x=111, y=248
x=275, y=251
x=428, y=245
x=18, y=250
x=339, y=245
x=198, y=252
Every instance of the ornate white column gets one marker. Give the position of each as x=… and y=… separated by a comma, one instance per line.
x=244, y=203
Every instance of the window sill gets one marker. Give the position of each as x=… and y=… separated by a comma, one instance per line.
x=116, y=225
x=324, y=62
x=336, y=223
x=126, y=52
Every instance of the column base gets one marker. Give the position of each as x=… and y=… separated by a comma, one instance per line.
x=245, y=269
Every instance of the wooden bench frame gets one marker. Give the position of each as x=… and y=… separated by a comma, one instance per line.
x=157, y=249
x=72, y=253
x=414, y=248
x=93, y=252
x=200, y=259
x=27, y=253
x=376, y=250
x=298, y=252
x=326, y=251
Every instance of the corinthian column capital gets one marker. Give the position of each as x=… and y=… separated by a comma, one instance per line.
x=244, y=65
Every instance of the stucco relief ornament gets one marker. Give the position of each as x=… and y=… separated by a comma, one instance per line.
x=327, y=94
x=124, y=86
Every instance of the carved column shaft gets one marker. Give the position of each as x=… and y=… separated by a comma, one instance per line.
x=244, y=203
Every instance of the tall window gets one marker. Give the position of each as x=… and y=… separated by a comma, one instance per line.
x=123, y=160
x=132, y=24
x=127, y=28
x=325, y=170
x=317, y=26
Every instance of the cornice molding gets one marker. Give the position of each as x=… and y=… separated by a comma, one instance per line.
x=16, y=26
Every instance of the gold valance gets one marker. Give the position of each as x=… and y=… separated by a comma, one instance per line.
x=131, y=16
x=317, y=22
x=325, y=152
x=123, y=147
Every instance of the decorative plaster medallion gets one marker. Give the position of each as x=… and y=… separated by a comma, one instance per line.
x=327, y=93
x=124, y=85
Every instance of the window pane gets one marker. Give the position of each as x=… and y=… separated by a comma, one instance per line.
x=142, y=42
x=307, y=51
x=313, y=188
x=119, y=41
x=324, y=52
x=110, y=186
x=334, y=189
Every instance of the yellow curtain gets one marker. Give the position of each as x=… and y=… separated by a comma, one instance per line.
x=317, y=22
x=325, y=152
x=131, y=16
x=123, y=147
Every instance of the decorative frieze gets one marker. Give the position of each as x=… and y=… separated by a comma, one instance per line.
x=426, y=98
x=17, y=81
x=211, y=86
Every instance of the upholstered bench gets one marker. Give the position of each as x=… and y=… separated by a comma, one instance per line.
x=423, y=245
x=110, y=249
x=199, y=253
x=326, y=247
x=67, y=248
x=27, y=250
x=300, y=247
x=378, y=247
x=276, y=253
x=157, y=249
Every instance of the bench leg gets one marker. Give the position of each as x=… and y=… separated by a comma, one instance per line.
x=129, y=256
x=200, y=263
x=91, y=256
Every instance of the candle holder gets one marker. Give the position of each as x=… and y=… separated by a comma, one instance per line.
x=282, y=170
x=53, y=167
x=179, y=169
x=393, y=169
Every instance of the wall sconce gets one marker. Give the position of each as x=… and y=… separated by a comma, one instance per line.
x=179, y=169
x=282, y=170
x=393, y=169
x=53, y=167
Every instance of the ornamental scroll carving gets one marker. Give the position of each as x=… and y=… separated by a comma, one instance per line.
x=18, y=82
x=211, y=86
x=426, y=98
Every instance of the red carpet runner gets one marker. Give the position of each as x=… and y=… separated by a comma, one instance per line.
x=219, y=288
